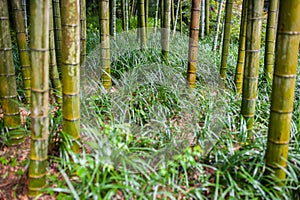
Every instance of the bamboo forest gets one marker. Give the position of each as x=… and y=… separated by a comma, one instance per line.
x=149, y=99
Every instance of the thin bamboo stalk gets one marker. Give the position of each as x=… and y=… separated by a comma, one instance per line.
x=124, y=19
x=226, y=39
x=254, y=23
x=156, y=16
x=270, y=39
x=70, y=10
x=176, y=17
x=104, y=46
x=193, y=44
x=18, y=19
x=8, y=89
x=242, y=45
x=165, y=36
x=218, y=25
x=57, y=33
x=83, y=41
x=202, y=18
x=112, y=24
x=180, y=18
x=39, y=45
x=172, y=15
x=283, y=88
x=146, y=15
x=53, y=71
x=207, y=13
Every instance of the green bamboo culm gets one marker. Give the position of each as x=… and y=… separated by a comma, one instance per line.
x=70, y=22
x=142, y=28
x=250, y=81
x=146, y=15
x=207, y=12
x=8, y=89
x=270, y=39
x=53, y=71
x=283, y=88
x=165, y=36
x=104, y=46
x=193, y=44
x=83, y=41
x=57, y=34
x=124, y=17
x=226, y=38
x=241, y=55
x=39, y=44
x=18, y=19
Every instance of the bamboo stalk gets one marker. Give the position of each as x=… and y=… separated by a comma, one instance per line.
x=112, y=24
x=142, y=28
x=156, y=16
x=270, y=39
x=104, y=46
x=241, y=54
x=218, y=25
x=226, y=38
x=176, y=17
x=71, y=69
x=165, y=36
x=83, y=41
x=202, y=18
x=8, y=89
x=283, y=88
x=146, y=16
x=57, y=33
x=180, y=18
x=18, y=19
x=207, y=12
x=53, y=71
x=193, y=44
x=39, y=44
x=254, y=22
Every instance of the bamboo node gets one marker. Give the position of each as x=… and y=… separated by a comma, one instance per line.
x=288, y=32
x=278, y=142
x=286, y=76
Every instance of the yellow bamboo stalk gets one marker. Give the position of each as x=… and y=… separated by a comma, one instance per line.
x=18, y=19
x=270, y=38
x=283, y=88
x=39, y=45
x=193, y=44
x=70, y=10
x=104, y=46
x=242, y=45
x=226, y=39
x=250, y=81
x=165, y=36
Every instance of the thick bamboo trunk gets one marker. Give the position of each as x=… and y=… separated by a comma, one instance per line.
x=253, y=40
x=226, y=39
x=24, y=8
x=165, y=36
x=57, y=33
x=142, y=28
x=83, y=40
x=218, y=25
x=207, y=12
x=270, y=38
x=39, y=44
x=113, y=18
x=18, y=19
x=70, y=10
x=283, y=88
x=8, y=88
x=54, y=75
x=193, y=44
x=241, y=56
x=104, y=46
